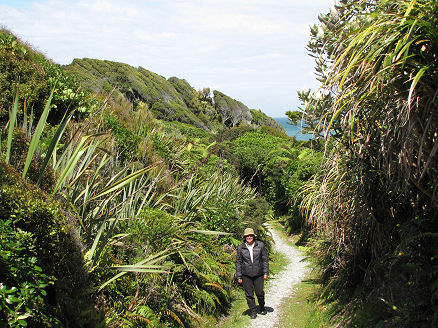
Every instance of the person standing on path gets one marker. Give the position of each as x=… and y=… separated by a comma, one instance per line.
x=252, y=269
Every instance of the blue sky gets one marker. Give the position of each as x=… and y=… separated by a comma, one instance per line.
x=252, y=50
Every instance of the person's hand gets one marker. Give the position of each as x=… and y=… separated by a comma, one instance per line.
x=239, y=281
x=265, y=277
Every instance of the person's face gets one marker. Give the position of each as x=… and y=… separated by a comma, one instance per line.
x=249, y=239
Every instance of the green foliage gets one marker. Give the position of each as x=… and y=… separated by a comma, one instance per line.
x=126, y=140
x=67, y=96
x=20, y=72
x=33, y=76
x=172, y=100
x=19, y=148
x=295, y=176
x=373, y=202
x=276, y=132
x=35, y=227
x=253, y=150
x=261, y=119
x=137, y=85
x=188, y=94
x=215, y=164
x=202, y=113
x=229, y=134
x=255, y=214
x=259, y=156
x=158, y=239
x=231, y=111
x=295, y=116
x=221, y=216
x=200, y=272
x=23, y=284
x=34, y=142
x=267, y=162
x=314, y=105
x=162, y=146
x=12, y=122
x=154, y=230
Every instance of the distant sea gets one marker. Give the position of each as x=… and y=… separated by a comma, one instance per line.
x=293, y=130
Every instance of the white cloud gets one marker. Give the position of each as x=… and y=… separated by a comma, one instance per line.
x=252, y=50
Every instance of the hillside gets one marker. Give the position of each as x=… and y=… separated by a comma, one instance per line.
x=170, y=99
x=123, y=194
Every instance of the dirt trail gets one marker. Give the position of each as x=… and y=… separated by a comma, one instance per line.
x=282, y=285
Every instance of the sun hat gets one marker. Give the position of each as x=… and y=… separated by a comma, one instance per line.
x=248, y=231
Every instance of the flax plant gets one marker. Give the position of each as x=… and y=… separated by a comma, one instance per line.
x=12, y=120
x=99, y=202
x=378, y=188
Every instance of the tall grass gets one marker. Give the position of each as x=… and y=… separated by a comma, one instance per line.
x=36, y=136
x=378, y=188
x=12, y=120
x=124, y=213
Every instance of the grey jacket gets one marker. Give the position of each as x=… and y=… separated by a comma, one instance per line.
x=244, y=266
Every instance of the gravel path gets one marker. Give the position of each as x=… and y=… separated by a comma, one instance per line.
x=282, y=285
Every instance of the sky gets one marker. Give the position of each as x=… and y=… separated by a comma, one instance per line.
x=251, y=50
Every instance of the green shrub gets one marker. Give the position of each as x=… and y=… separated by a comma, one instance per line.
x=253, y=149
x=23, y=284
x=29, y=73
x=255, y=214
x=232, y=133
x=19, y=148
x=53, y=242
x=126, y=140
x=273, y=189
x=295, y=176
x=20, y=72
x=188, y=131
x=222, y=216
x=153, y=231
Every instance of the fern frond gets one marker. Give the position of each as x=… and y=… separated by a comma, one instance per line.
x=173, y=316
x=139, y=318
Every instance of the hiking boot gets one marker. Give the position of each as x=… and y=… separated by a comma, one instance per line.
x=253, y=315
x=263, y=311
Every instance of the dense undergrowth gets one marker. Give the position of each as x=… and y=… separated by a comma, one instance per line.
x=123, y=194
x=43, y=278
x=113, y=217
x=373, y=204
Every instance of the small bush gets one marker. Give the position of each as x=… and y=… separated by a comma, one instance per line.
x=53, y=255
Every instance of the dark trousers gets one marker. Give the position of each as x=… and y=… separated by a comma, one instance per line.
x=251, y=285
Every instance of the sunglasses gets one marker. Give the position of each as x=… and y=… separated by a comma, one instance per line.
x=252, y=236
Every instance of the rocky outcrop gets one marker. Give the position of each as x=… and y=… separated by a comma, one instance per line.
x=231, y=111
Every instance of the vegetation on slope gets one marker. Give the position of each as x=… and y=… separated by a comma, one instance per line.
x=276, y=165
x=152, y=210
x=44, y=281
x=172, y=100
x=33, y=76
